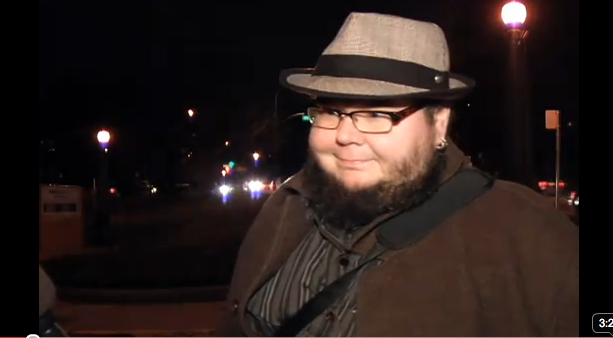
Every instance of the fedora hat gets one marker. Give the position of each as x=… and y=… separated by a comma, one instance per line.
x=380, y=57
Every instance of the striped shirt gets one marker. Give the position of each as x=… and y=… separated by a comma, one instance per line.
x=319, y=260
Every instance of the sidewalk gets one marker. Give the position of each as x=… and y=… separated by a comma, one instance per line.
x=176, y=319
x=204, y=294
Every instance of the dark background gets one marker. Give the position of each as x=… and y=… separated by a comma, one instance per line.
x=136, y=68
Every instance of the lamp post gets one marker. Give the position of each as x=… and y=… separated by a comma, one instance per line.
x=256, y=156
x=103, y=138
x=514, y=15
x=101, y=222
x=518, y=118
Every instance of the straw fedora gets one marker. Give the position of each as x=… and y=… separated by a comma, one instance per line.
x=377, y=56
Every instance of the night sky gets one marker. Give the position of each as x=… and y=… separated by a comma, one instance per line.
x=136, y=67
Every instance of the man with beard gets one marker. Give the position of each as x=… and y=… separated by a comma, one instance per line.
x=505, y=263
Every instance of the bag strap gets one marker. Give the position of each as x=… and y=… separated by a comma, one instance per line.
x=322, y=300
x=458, y=191
x=395, y=234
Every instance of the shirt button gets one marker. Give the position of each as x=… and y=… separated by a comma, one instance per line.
x=343, y=261
x=330, y=316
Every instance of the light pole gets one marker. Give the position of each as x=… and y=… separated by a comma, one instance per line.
x=256, y=156
x=102, y=218
x=104, y=137
x=518, y=136
x=514, y=16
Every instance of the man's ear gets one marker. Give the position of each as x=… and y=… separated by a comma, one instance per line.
x=441, y=123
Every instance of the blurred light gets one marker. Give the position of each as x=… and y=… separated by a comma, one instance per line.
x=255, y=185
x=225, y=189
x=514, y=13
x=104, y=136
x=227, y=143
x=112, y=190
x=256, y=156
x=225, y=198
x=154, y=190
x=231, y=164
x=545, y=184
x=106, y=150
x=256, y=195
x=223, y=173
x=227, y=169
x=190, y=113
x=577, y=201
x=306, y=118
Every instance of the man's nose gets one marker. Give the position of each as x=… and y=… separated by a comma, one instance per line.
x=347, y=133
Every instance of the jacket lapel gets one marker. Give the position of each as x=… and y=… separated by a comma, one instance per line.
x=290, y=227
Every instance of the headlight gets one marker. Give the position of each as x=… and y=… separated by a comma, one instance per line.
x=255, y=185
x=225, y=189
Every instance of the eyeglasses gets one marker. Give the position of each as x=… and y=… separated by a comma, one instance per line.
x=366, y=121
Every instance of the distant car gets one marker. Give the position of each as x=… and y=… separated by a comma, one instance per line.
x=568, y=199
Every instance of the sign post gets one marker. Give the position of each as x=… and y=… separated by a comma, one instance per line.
x=552, y=121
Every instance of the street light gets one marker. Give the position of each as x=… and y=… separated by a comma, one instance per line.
x=103, y=138
x=102, y=220
x=256, y=156
x=190, y=114
x=519, y=120
x=514, y=15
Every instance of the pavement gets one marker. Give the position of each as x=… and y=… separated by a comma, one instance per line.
x=139, y=320
x=143, y=296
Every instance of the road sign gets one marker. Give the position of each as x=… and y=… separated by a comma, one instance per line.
x=552, y=119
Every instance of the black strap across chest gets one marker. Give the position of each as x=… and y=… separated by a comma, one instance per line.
x=398, y=232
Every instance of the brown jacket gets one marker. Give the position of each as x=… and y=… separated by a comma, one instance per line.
x=505, y=265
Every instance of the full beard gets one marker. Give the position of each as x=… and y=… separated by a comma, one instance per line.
x=345, y=209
